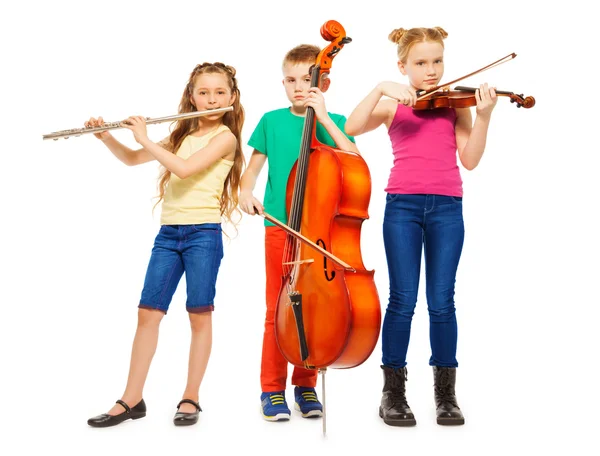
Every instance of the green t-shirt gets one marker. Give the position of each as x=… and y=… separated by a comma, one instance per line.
x=278, y=135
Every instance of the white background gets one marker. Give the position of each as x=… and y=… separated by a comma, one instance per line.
x=77, y=230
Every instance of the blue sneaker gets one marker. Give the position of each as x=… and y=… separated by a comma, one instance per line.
x=307, y=402
x=274, y=407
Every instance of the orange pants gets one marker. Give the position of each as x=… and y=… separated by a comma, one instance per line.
x=273, y=369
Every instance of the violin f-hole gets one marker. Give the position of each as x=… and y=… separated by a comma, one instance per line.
x=329, y=278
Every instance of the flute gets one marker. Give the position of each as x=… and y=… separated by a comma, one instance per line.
x=114, y=125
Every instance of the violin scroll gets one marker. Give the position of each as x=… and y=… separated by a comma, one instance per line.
x=527, y=102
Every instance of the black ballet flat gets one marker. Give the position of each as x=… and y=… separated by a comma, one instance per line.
x=106, y=420
x=186, y=419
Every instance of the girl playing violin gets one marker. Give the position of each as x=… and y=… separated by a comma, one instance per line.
x=423, y=210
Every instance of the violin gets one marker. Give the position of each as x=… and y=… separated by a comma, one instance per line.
x=464, y=97
x=328, y=313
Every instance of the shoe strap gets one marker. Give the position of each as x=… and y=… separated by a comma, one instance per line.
x=125, y=406
x=189, y=401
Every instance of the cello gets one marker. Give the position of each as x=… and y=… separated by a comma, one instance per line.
x=328, y=313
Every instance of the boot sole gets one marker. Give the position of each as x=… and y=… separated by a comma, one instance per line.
x=450, y=421
x=404, y=423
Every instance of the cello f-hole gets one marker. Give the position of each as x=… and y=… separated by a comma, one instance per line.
x=329, y=278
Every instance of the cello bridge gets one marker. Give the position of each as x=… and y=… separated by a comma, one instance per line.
x=309, y=260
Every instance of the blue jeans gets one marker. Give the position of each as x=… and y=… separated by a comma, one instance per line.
x=411, y=222
x=196, y=250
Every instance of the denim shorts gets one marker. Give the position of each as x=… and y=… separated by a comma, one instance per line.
x=196, y=250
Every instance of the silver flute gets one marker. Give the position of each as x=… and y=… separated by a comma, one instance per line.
x=114, y=125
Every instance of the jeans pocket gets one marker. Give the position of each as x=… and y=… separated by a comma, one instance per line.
x=206, y=228
x=390, y=197
x=457, y=199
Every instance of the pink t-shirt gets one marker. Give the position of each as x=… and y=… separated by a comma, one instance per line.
x=424, y=146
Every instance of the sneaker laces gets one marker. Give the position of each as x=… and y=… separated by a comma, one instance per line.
x=276, y=399
x=309, y=396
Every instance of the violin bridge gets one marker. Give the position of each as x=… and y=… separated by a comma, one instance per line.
x=310, y=260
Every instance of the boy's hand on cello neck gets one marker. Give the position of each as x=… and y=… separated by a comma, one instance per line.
x=316, y=100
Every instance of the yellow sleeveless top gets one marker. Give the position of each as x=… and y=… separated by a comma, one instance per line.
x=196, y=199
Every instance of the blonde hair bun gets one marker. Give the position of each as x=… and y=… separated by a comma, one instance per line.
x=442, y=32
x=397, y=35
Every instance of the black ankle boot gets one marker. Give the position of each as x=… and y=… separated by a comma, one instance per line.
x=447, y=410
x=394, y=409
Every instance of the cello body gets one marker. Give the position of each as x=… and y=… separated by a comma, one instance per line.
x=341, y=310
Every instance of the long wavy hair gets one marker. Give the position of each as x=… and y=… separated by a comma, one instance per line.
x=234, y=120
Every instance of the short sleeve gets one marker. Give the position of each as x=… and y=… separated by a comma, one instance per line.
x=341, y=123
x=258, y=139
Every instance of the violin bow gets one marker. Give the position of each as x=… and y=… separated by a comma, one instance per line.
x=423, y=93
x=307, y=241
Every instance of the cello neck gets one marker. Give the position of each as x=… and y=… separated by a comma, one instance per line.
x=308, y=132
